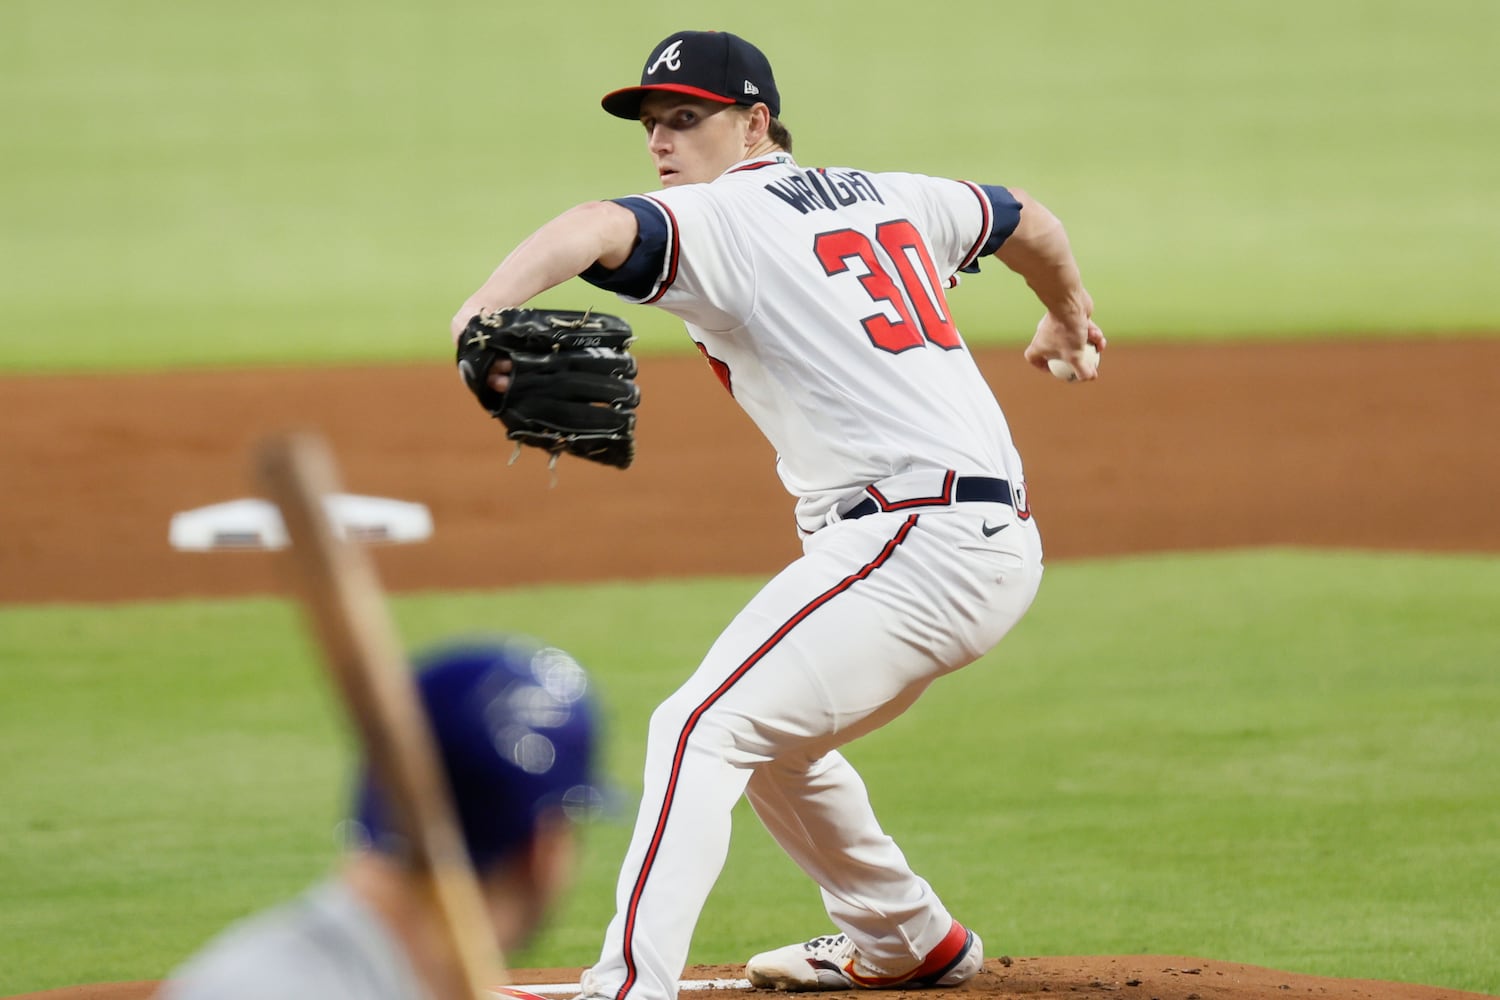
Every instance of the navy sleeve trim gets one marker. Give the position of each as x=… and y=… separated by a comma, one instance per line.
x=638, y=276
x=1003, y=213
x=671, y=254
x=987, y=219
x=1007, y=216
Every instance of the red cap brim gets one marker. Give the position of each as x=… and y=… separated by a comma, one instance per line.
x=626, y=102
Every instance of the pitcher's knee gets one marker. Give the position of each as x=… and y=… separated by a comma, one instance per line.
x=693, y=727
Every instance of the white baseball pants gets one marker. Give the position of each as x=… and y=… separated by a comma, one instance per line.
x=838, y=644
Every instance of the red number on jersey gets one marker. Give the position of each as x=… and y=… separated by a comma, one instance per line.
x=720, y=369
x=834, y=251
x=901, y=242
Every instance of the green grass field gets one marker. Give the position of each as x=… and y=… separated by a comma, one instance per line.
x=1281, y=758
x=206, y=184
x=1274, y=757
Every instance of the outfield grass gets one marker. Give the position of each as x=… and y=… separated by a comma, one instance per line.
x=206, y=184
x=1281, y=758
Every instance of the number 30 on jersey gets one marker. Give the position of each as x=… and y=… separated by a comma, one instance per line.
x=916, y=296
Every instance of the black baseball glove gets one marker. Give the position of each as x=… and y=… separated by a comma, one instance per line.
x=572, y=388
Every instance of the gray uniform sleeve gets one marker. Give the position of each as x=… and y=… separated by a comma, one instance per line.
x=235, y=973
x=324, y=946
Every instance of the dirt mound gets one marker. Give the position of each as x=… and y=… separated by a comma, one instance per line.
x=1124, y=977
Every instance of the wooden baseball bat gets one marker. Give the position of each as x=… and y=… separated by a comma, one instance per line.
x=346, y=606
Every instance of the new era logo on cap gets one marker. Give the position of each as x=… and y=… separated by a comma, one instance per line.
x=714, y=65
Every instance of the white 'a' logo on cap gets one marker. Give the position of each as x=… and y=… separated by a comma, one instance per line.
x=670, y=56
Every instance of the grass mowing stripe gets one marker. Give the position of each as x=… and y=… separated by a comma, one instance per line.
x=1275, y=757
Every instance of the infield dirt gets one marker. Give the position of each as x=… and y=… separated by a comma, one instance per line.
x=1380, y=444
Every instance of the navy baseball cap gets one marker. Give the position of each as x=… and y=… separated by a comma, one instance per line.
x=516, y=729
x=710, y=64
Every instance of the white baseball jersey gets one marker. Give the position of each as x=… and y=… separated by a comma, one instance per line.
x=818, y=297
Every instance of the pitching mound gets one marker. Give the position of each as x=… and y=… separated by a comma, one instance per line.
x=1126, y=977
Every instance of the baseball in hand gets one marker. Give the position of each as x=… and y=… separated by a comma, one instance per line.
x=1061, y=369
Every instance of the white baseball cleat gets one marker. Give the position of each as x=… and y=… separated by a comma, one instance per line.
x=831, y=963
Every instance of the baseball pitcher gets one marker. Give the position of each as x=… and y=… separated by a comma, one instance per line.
x=818, y=297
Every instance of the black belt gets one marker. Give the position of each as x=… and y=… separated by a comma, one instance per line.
x=956, y=489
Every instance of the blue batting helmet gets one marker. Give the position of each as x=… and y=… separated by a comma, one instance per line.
x=515, y=726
